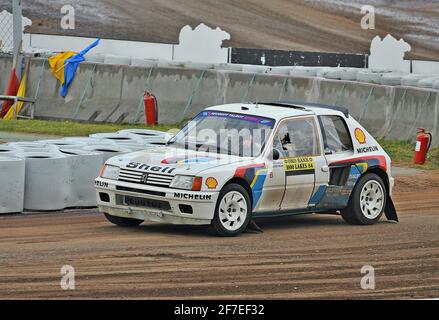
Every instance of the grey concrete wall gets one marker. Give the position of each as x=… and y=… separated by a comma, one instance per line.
x=111, y=93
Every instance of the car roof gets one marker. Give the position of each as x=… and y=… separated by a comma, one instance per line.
x=281, y=109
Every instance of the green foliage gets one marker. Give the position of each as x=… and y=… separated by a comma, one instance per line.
x=69, y=128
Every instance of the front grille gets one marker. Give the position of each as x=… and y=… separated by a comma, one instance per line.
x=135, y=190
x=152, y=179
x=142, y=203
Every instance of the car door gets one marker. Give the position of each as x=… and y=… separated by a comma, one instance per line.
x=303, y=161
x=338, y=147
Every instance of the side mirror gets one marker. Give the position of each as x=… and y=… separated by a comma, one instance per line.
x=276, y=154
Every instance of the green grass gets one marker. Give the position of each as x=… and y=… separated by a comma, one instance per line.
x=69, y=128
x=402, y=153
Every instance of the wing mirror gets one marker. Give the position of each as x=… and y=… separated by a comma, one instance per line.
x=275, y=154
x=328, y=151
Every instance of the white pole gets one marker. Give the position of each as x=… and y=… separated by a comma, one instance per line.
x=17, y=35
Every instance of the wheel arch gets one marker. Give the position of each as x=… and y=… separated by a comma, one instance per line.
x=382, y=174
x=243, y=183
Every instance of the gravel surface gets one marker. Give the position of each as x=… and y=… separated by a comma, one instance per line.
x=314, y=256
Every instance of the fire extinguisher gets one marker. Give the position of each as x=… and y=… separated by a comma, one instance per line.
x=423, y=144
x=151, y=108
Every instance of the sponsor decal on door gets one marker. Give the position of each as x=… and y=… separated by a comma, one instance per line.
x=299, y=166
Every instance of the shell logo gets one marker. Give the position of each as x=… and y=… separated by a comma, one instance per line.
x=360, y=136
x=211, y=183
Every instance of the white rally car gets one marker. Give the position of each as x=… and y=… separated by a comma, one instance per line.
x=237, y=162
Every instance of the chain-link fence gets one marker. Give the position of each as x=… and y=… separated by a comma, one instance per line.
x=6, y=32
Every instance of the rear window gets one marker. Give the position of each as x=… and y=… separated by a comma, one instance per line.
x=336, y=135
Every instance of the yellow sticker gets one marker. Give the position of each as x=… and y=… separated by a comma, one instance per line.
x=211, y=183
x=299, y=166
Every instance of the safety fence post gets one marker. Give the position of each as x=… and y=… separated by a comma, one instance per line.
x=89, y=82
x=37, y=88
x=147, y=88
x=191, y=97
x=250, y=84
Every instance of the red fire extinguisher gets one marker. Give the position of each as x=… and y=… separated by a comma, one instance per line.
x=423, y=143
x=151, y=110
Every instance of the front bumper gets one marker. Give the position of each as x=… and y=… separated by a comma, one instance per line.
x=156, y=204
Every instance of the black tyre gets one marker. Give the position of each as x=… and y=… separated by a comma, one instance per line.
x=232, y=212
x=367, y=202
x=123, y=222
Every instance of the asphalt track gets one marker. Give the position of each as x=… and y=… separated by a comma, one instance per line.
x=310, y=256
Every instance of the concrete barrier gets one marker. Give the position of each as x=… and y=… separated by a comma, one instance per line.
x=12, y=171
x=83, y=168
x=110, y=93
x=47, y=187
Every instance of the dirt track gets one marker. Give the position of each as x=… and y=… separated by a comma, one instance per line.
x=297, y=257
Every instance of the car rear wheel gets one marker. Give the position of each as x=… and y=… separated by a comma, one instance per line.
x=367, y=202
x=123, y=222
x=232, y=212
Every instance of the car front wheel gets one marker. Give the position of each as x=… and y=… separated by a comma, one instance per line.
x=123, y=222
x=232, y=212
x=367, y=202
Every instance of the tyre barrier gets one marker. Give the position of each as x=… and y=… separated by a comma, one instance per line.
x=330, y=73
x=228, y=67
x=349, y=74
x=281, y=70
x=370, y=77
x=12, y=171
x=144, y=133
x=117, y=137
x=60, y=143
x=198, y=66
x=85, y=141
x=57, y=174
x=412, y=79
x=427, y=82
x=33, y=146
x=304, y=71
x=255, y=69
x=143, y=63
x=47, y=184
x=8, y=150
x=84, y=167
x=392, y=79
x=108, y=150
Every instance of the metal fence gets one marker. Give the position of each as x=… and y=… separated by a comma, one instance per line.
x=6, y=32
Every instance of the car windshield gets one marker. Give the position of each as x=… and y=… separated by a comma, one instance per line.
x=225, y=133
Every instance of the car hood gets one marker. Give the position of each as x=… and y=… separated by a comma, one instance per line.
x=169, y=160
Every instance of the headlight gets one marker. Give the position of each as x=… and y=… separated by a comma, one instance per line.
x=110, y=172
x=187, y=183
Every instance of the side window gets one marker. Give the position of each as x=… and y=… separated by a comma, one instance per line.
x=336, y=135
x=297, y=138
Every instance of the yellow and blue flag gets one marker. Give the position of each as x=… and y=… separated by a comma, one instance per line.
x=64, y=66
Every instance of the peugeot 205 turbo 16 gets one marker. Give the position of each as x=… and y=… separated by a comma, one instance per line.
x=237, y=162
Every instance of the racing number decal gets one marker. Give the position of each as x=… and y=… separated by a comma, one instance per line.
x=299, y=166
